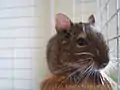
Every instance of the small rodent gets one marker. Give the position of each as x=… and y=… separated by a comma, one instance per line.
x=75, y=55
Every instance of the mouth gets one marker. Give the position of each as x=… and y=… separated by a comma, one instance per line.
x=101, y=65
x=79, y=75
x=88, y=73
x=88, y=69
x=104, y=65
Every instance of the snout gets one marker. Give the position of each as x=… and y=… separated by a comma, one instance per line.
x=103, y=63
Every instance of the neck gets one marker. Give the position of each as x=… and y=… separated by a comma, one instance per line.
x=94, y=76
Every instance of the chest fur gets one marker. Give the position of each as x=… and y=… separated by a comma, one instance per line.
x=59, y=83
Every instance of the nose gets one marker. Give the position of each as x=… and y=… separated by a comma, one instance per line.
x=104, y=63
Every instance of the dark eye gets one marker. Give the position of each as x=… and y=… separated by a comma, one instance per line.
x=67, y=35
x=82, y=42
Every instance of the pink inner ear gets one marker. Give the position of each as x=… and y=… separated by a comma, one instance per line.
x=62, y=22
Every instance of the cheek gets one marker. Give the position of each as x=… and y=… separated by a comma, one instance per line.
x=64, y=53
x=82, y=49
x=92, y=49
x=67, y=52
x=82, y=53
x=65, y=57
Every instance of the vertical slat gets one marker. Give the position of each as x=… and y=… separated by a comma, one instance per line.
x=118, y=66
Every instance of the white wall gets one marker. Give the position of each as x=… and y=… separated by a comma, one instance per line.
x=75, y=9
x=43, y=30
x=24, y=32
x=84, y=9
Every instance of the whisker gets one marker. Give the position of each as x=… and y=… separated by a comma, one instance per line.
x=85, y=53
x=89, y=72
x=86, y=59
x=102, y=80
x=76, y=71
x=64, y=68
x=86, y=72
x=79, y=62
x=94, y=77
x=83, y=70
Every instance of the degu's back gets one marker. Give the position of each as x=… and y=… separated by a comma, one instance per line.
x=75, y=55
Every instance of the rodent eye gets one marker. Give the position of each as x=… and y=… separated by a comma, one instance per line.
x=82, y=42
x=67, y=35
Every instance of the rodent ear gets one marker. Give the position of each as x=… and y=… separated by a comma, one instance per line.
x=91, y=19
x=62, y=22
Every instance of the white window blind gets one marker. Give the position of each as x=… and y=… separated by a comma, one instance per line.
x=17, y=44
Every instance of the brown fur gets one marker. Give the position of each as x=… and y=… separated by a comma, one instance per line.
x=58, y=83
x=62, y=47
x=74, y=57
